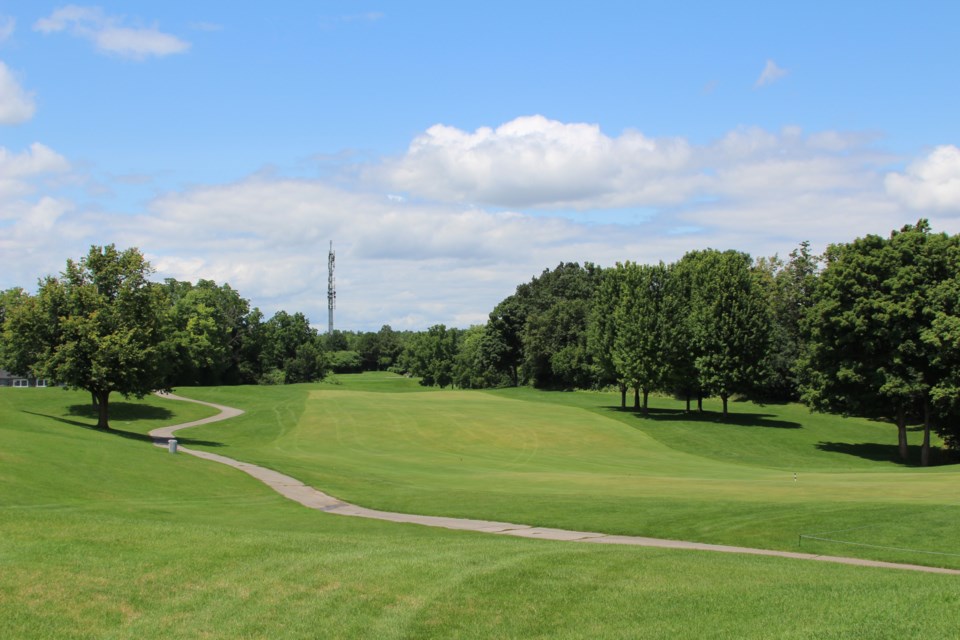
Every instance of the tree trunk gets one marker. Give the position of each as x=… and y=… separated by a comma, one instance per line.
x=646, y=392
x=623, y=396
x=724, y=398
x=636, y=397
x=700, y=402
x=902, y=435
x=925, y=449
x=93, y=400
x=103, y=398
x=688, y=403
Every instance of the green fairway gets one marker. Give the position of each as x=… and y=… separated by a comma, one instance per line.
x=104, y=536
x=570, y=460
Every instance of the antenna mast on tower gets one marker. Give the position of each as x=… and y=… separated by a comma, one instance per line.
x=331, y=290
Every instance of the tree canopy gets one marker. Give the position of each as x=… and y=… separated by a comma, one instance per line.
x=99, y=326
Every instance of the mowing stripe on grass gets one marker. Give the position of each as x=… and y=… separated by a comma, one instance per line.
x=310, y=497
x=877, y=546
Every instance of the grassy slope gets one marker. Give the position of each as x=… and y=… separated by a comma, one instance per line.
x=529, y=457
x=105, y=536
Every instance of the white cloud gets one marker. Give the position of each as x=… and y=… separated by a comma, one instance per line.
x=19, y=171
x=413, y=262
x=109, y=34
x=536, y=162
x=930, y=183
x=16, y=105
x=7, y=26
x=770, y=74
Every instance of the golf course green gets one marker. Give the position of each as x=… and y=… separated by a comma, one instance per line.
x=104, y=536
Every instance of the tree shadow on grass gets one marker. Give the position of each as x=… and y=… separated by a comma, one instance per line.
x=138, y=412
x=886, y=453
x=765, y=420
x=122, y=411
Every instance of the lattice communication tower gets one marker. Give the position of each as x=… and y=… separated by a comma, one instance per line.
x=331, y=289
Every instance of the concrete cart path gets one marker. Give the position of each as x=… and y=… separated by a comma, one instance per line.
x=314, y=499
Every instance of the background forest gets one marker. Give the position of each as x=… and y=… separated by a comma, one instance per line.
x=869, y=328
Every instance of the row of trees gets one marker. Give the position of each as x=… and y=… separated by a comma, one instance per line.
x=883, y=333
x=103, y=326
x=871, y=328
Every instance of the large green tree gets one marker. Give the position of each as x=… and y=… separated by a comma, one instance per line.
x=99, y=326
x=292, y=346
x=431, y=355
x=639, y=347
x=554, y=339
x=789, y=286
x=602, y=329
x=681, y=351
x=730, y=321
x=501, y=348
x=19, y=345
x=881, y=330
x=208, y=326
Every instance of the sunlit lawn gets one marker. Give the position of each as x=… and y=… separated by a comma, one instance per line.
x=104, y=536
x=575, y=461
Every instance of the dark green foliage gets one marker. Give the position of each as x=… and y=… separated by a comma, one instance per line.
x=602, y=329
x=502, y=345
x=880, y=331
x=789, y=287
x=19, y=344
x=471, y=370
x=208, y=324
x=431, y=355
x=379, y=351
x=639, y=346
x=99, y=327
x=337, y=341
x=681, y=350
x=293, y=346
x=729, y=322
x=554, y=336
x=345, y=361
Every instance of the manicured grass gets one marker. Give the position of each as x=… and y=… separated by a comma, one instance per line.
x=105, y=536
x=790, y=437
x=573, y=461
x=377, y=381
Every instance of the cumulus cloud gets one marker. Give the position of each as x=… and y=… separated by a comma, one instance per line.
x=536, y=162
x=19, y=171
x=32, y=227
x=929, y=183
x=109, y=33
x=16, y=105
x=770, y=74
x=398, y=263
x=415, y=261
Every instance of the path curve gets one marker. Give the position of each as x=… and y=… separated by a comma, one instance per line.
x=309, y=497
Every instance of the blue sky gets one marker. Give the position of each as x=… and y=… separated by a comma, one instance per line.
x=453, y=150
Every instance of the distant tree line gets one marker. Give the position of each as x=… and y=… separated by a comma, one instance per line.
x=869, y=328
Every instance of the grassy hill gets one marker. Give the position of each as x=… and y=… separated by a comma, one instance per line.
x=105, y=536
x=571, y=460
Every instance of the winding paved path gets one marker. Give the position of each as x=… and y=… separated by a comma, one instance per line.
x=314, y=499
